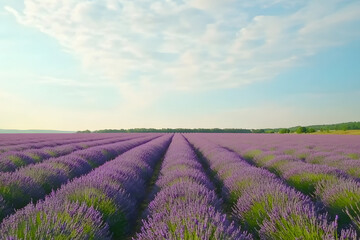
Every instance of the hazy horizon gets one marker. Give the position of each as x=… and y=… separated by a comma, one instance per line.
x=76, y=130
x=110, y=64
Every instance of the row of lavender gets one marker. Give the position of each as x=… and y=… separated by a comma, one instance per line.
x=35, y=140
x=37, y=143
x=100, y=205
x=12, y=160
x=342, y=152
x=33, y=182
x=15, y=139
x=103, y=204
x=185, y=205
x=329, y=185
x=262, y=202
x=115, y=190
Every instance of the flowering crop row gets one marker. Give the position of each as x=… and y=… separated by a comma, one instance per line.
x=272, y=186
x=19, y=139
x=12, y=160
x=327, y=184
x=262, y=202
x=98, y=205
x=37, y=142
x=185, y=205
x=34, y=181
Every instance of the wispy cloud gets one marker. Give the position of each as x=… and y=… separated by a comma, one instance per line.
x=193, y=44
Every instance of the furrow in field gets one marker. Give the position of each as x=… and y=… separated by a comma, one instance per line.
x=184, y=204
x=99, y=205
x=262, y=202
x=31, y=183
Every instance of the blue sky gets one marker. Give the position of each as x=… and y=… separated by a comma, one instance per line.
x=83, y=64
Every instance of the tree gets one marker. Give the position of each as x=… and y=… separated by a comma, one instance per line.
x=310, y=130
x=258, y=131
x=86, y=131
x=284, y=130
x=301, y=130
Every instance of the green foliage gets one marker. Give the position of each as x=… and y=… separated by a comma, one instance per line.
x=284, y=130
x=51, y=153
x=86, y=131
x=338, y=126
x=17, y=161
x=276, y=167
x=354, y=215
x=252, y=153
x=301, y=130
x=101, y=202
x=310, y=130
x=264, y=159
x=354, y=171
x=258, y=131
x=353, y=155
x=35, y=157
x=31, y=229
x=61, y=224
x=305, y=130
x=296, y=227
x=290, y=151
x=306, y=182
x=258, y=212
x=238, y=190
x=171, y=130
x=95, y=198
x=345, y=200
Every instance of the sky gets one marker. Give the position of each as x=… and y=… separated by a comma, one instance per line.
x=86, y=64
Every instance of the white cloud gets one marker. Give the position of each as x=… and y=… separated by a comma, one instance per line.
x=192, y=44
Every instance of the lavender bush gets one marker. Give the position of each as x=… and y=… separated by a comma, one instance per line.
x=185, y=205
x=107, y=207
x=261, y=199
x=34, y=181
x=93, y=186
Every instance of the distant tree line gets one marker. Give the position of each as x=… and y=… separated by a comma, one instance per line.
x=312, y=128
x=170, y=130
x=339, y=126
x=297, y=129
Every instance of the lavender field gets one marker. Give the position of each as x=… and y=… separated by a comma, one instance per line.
x=179, y=186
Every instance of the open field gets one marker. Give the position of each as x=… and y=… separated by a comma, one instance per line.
x=179, y=186
x=341, y=132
